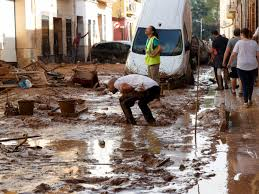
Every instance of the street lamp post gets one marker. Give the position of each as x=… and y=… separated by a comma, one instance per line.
x=201, y=22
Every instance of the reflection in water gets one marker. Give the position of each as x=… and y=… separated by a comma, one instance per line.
x=151, y=140
x=102, y=154
x=217, y=184
x=69, y=150
x=38, y=142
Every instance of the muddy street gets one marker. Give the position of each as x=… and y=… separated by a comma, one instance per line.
x=97, y=152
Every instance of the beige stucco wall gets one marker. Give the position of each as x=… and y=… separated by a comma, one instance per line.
x=226, y=25
x=119, y=9
x=29, y=24
x=29, y=15
x=28, y=27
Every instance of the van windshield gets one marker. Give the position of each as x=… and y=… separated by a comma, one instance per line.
x=170, y=41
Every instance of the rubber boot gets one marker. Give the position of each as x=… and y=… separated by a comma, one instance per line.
x=220, y=83
x=226, y=78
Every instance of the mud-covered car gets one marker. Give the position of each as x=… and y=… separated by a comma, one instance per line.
x=110, y=52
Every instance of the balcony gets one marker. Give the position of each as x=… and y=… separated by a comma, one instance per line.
x=231, y=10
x=131, y=9
x=106, y=1
x=232, y=7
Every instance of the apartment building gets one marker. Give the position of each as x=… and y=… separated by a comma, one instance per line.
x=125, y=16
x=45, y=29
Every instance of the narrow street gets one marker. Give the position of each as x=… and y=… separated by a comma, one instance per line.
x=71, y=71
x=98, y=153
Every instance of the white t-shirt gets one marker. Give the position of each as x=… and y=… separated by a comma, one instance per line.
x=136, y=81
x=246, y=54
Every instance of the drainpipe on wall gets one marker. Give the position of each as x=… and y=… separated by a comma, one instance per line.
x=75, y=18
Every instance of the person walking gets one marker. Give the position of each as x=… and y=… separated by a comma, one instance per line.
x=76, y=43
x=247, y=53
x=219, y=45
x=233, y=75
x=134, y=88
x=153, y=50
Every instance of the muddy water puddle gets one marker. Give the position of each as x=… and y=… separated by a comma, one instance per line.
x=94, y=154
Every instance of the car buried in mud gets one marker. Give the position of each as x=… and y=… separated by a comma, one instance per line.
x=110, y=52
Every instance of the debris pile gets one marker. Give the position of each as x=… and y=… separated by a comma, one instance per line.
x=11, y=77
x=86, y=78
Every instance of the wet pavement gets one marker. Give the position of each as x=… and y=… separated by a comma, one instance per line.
x=98, y=153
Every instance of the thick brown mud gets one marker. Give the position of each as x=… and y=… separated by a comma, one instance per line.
x=97, y=152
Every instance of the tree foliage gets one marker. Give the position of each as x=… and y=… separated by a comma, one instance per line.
x=208, y=10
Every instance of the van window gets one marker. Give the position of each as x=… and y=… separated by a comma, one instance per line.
x=170, y=41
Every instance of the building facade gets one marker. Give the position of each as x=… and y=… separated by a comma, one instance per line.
x=243, y=13
x=45, y=29
x=226, y=18
x=125, y=16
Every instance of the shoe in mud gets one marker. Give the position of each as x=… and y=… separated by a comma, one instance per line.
x=152, y=123
x=246, y=105
x=219, y=89
x=131, y=122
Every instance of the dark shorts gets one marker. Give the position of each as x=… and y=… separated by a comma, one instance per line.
x=233, y=74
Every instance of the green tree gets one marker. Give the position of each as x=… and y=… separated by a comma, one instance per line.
x=208, y=10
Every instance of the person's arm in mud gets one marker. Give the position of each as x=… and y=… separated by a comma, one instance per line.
x=232, y=58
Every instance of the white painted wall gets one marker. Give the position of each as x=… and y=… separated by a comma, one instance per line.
x=90, y=10
x=7, y=31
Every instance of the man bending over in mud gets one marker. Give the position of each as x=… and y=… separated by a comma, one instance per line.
x=135, y=88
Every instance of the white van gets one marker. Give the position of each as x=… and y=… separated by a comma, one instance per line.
x=173, y=20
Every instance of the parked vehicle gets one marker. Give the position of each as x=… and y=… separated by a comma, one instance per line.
x=173, y=20
x=110, y=52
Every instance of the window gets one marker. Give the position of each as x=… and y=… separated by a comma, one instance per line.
x=69, y=36
x=170, y=41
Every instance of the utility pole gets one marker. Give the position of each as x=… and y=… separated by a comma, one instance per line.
x=201, y=28
x=201, y=22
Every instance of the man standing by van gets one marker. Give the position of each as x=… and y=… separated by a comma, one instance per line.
x=153, y=50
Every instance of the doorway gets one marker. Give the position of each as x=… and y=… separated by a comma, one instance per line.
x=45, y=36
x=58, y=39
x=69, y=36
x=80, y=29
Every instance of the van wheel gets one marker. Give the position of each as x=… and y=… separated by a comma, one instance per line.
x=189, y=77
